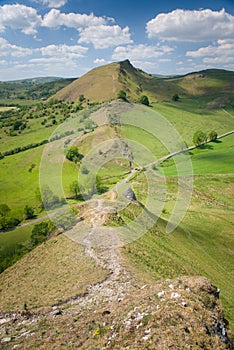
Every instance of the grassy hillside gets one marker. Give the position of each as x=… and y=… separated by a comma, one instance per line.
x=100, y=84
x=212, y=87
x=214, y=83
x=55, y=271
x=202, y=244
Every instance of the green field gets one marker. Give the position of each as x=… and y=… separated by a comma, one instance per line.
x=149, y=126
x=9, y=240
x=15, y=175
x=36, y=133
x=21, y=171
x=215, y=158
x=187, y=118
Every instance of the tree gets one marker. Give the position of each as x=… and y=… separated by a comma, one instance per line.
x=28, y=212
x=81, y=98
x=122, y=95
x=212, y=136
x=48, y=199
x=175, y=97
x=7, y=221
x=199, y=138
x=66, y=220
x=17, y=124
x=144, y=100
x=39, y=233
x=74, y=188
x=73, y=154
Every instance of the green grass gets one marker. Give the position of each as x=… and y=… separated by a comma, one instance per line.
x=202, y=245
x=10, y=239
x=149, y=125
x=225, y=185
x=215, y=158
x=144, y=138
x=18, y=184
x=186, y=117
x=37, y=134
x=70, y=174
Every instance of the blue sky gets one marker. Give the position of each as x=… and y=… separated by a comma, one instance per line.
x=69, y=37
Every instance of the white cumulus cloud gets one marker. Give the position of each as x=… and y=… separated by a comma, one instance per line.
x=54, y=3
x=19, y=17
x=137, y=52
x=99, y=61
x=64, y=51
x=218, y=54
x=223, y=47
x=56, y=19
x=104, y=36
x=99, y=31
x=192, y=25
x=7, y=49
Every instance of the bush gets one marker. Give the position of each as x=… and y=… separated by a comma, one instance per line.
x=144, y=100
x=175, y=97
x=73, y=154
x=122, y=95
x=81, y=98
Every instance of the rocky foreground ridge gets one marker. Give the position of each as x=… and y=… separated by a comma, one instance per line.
x=183, y=313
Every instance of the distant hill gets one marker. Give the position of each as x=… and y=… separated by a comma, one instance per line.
x=36, y=80
x=214, y=87
x=32, y=89
x=103, y=84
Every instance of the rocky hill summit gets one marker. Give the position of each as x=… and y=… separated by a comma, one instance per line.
x=183, y=313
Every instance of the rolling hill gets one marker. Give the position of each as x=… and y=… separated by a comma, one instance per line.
x=79, y=288
x=214, y=86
